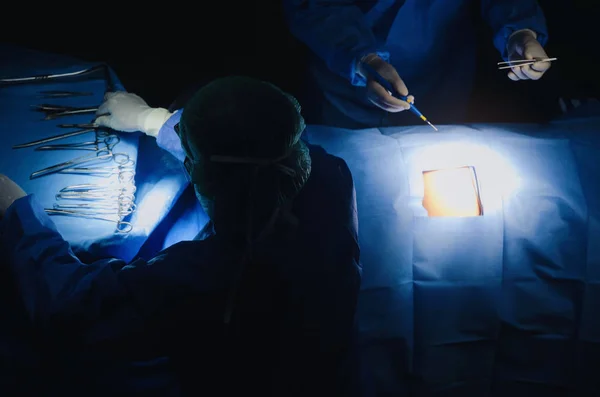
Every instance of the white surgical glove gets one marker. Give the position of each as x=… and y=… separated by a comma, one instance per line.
x=376, y=93
x=127, y=112
x=9, y=192
x=523, y=44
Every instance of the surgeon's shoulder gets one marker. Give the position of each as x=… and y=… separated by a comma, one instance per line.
x=327, y=167
x=329, y=192
x=327, y=206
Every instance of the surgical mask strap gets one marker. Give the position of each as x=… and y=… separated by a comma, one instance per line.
x=256, y=161
x=260, y=162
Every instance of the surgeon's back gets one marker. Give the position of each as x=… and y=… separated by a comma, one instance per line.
x=292, y=327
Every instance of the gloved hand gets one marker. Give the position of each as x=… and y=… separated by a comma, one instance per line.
x=376, y=93
x=9, y=192
x=523, y=44
x=127, y=112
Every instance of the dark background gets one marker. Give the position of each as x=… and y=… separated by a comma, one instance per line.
x=158, y=49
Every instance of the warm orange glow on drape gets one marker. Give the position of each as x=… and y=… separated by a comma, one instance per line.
x=452, y=193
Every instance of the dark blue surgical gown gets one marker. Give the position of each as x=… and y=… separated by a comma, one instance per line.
x=430, y=42
x=155, y=327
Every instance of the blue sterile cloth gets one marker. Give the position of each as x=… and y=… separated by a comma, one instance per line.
x=507, y=302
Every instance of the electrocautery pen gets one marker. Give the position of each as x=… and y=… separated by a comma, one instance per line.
x=388, y=86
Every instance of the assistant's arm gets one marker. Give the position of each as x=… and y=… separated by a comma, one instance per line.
x=168, y=139
x=506, y=17
x=336, y=32
x=102, y=300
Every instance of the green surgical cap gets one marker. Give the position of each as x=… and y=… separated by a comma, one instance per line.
x=240, y=117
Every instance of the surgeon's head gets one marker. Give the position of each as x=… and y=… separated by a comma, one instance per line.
x=243, y=151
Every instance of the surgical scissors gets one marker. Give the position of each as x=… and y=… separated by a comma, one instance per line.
x=101, y=155
x=56, y=137
x=122, y=226
x=109, y=141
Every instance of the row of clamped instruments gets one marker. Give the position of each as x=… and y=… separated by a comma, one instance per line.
x=112, y=197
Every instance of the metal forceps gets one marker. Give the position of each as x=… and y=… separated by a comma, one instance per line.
x=62, y=94
x=122, y=197
x=85, y=128
x=123, y=194
x=102, y=191
x=88, y=187
x=101, y=142
x=523, y=62
x=122, y=226
x=100, y=155
x=44, y=107
x=125, y=171
x=29, y=79
x=101, y=208
x=118, y=204
x=55, y=111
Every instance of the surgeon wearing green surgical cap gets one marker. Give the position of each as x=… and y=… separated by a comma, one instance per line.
x=261, y=302
x=242, y=168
